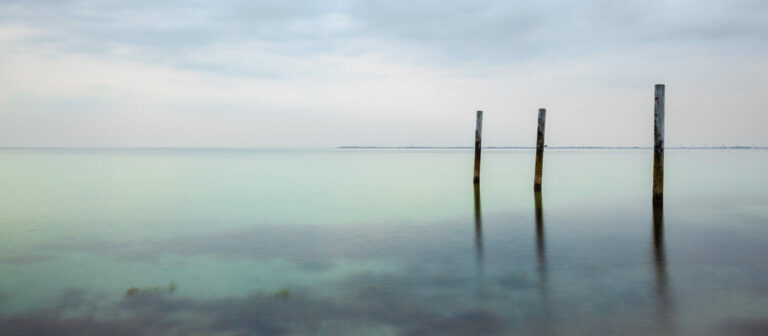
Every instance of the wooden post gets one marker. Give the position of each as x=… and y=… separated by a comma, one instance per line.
x=539, y=150
x=478, y=141
x=658, y=144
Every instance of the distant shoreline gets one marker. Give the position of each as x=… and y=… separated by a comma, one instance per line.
x=372, y=147
x=550, y=147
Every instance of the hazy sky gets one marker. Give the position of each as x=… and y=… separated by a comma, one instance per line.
x=329, y=73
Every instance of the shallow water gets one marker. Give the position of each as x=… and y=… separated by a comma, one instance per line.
x=381, y=242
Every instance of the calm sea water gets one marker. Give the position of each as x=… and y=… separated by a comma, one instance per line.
x=381, y=242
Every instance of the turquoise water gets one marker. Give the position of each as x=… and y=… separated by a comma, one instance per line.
x=381, y=242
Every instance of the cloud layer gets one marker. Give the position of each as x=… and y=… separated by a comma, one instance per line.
x=327, y=73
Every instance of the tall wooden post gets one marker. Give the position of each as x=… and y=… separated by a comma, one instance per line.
x=539, y=150
x=478, y=141
x=658, y=144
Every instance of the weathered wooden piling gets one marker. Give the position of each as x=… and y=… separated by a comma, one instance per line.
x=658, y=144
x=478, y=143
x=539, y=150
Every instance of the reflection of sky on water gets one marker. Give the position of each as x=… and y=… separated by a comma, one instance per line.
x=548, y=267
x=423, y=283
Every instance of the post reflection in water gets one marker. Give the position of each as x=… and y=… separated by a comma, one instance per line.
x=478, y=226
x=540, y=242
x=663, y=302
x=546, y=324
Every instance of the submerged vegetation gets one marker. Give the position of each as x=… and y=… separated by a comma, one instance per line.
x=134, y=291
x=283, y=294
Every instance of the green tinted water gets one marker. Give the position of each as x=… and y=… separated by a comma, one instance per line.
x=381, y=242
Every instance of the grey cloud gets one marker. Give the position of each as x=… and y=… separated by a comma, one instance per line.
x=460, y=30
x=505, y=54
x=166, y=23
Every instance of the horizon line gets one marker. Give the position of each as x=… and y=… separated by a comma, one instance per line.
x=367, y=147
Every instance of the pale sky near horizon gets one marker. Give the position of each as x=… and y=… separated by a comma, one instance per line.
x=386, y=73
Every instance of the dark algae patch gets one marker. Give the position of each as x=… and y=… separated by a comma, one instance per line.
x=134, y=291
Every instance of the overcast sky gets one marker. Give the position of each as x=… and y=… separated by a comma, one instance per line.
x=389, y=73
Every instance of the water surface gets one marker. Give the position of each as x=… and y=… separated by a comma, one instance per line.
x=381, y=242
